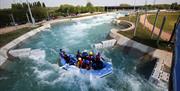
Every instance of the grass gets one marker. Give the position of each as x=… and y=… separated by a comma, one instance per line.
x=143, y=35
x=7, y=37
x=170, y=20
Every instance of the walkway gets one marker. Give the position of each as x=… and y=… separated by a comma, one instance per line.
x=164, y=35
x=13, y=28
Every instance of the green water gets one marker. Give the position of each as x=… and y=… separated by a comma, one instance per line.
x=26, y=74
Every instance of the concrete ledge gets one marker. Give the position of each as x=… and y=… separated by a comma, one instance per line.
x=2, y=59
x=124, y=41
x=31, y=33
x=9, y=46
x=16, y=41
x=23, y=37
x=158, y=77
x=129, y=25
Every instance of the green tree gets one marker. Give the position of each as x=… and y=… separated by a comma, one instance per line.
x=38, y=4
x=25, y=6
x=16, y=6
x=43, y=4
x=175, y=6
x=89, y=4
x=124, y=5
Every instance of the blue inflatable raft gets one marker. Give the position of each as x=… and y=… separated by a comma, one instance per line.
x=106, y=70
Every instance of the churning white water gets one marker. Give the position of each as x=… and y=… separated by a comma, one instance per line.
x=43, y=74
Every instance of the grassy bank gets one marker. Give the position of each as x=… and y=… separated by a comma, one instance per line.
x=170, y=20
x=143, y=35
x=6, y=38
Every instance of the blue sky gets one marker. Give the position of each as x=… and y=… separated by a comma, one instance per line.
x=55, y=3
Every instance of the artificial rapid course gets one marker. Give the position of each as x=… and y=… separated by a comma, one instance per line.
x=43, y=74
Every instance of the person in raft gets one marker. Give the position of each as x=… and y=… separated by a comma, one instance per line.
x=97, y=64
x=79, y=62
x=89, y=61
x=64, y=55
x=85, y=60
x=85, y=55
x=78, y=55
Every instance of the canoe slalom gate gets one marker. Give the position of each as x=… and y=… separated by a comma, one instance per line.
x=105, y=44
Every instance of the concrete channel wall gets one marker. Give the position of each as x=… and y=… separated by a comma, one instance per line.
x=159, y=76
x=15, y=42
x=128, y=25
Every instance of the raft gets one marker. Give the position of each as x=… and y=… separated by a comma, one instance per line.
x=106, y=70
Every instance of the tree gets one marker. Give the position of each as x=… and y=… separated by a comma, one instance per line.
x=124, y=5
x=89, y=4
x=175, y=6
x=43, y=4
x=16, y=6
x=25, y=6
x=38, y=4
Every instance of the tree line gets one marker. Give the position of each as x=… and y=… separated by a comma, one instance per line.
x=20, y=12
x=173, y=6
x=65, y=10
x=39, y=10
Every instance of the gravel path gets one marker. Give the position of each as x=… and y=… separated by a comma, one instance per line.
x=164, y=35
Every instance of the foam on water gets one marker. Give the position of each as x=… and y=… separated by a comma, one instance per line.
x=134, y=83
x=78, y=25
x=44, y=72
x=37, y=54
x=81, y=28
x=49, y=74
x=70, y=78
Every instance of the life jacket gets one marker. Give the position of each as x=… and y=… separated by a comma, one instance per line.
x=91, y=58
x=98, y=58
x=87, y=62
x=80, y=62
